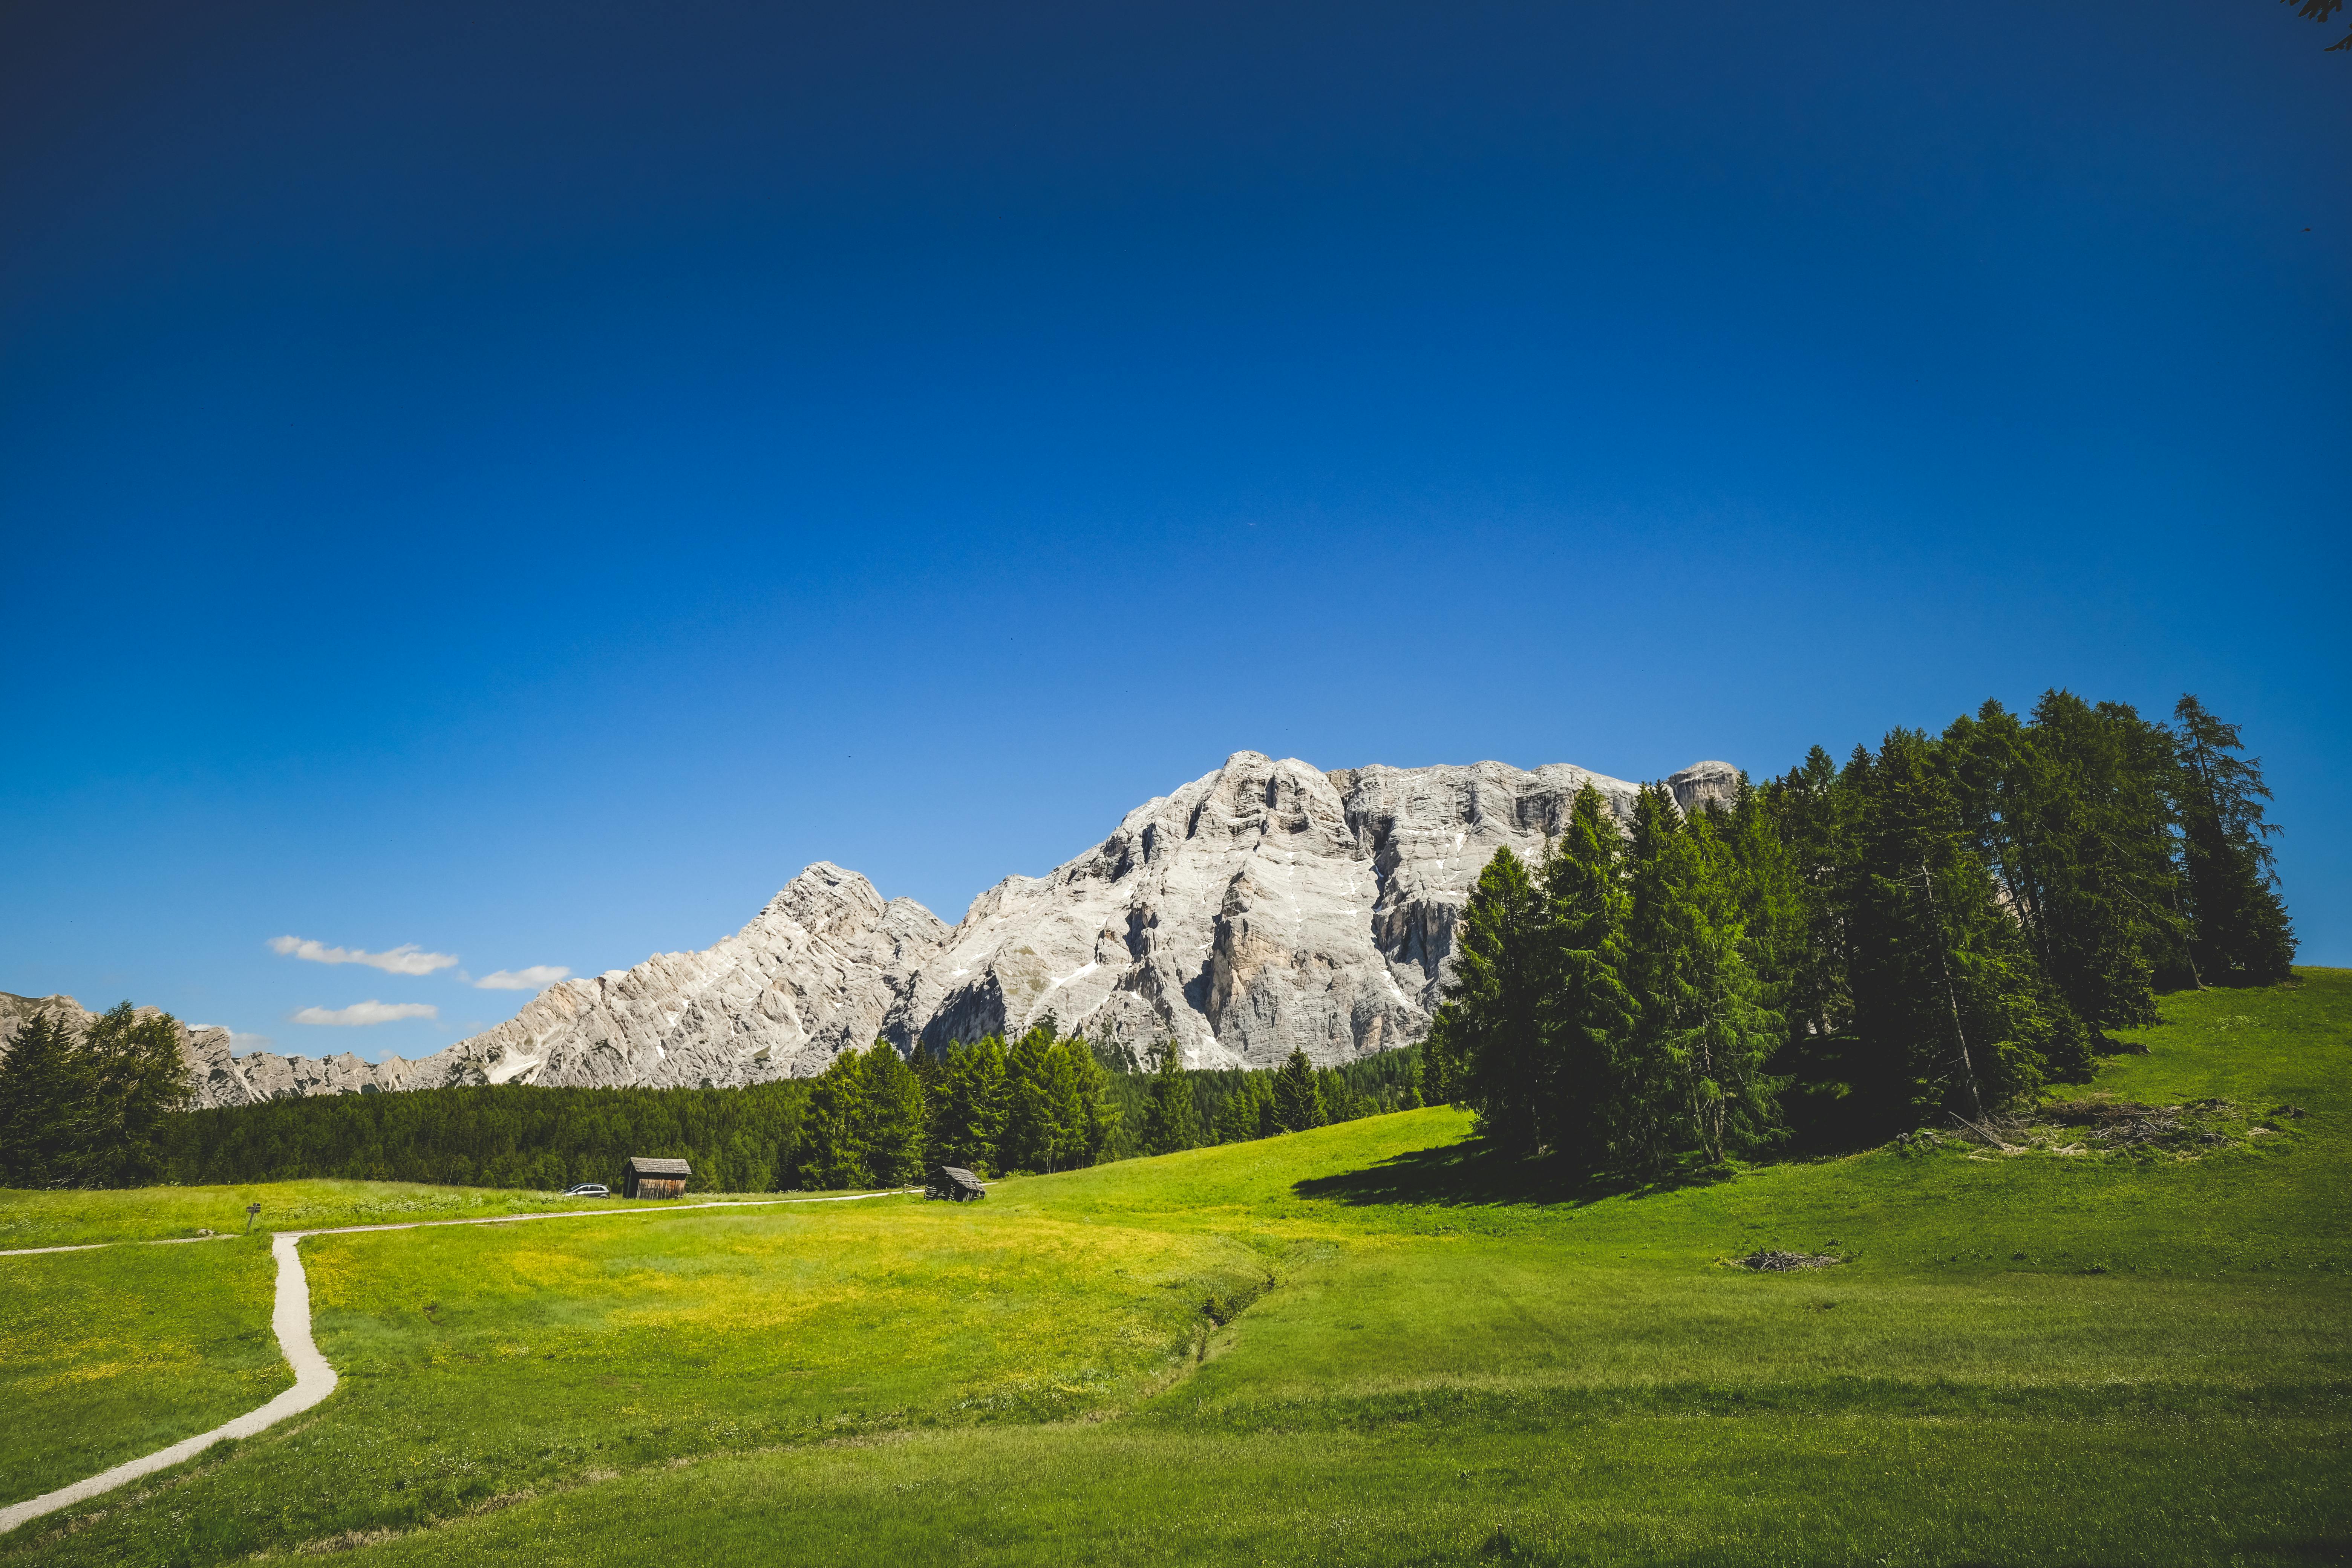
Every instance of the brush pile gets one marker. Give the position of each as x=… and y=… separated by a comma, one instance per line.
x=1785, y=1262
x=2100, y=1124
x=2129, y=1123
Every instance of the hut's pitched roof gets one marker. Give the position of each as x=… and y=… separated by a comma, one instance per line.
x=642, y=1166
x=959, y=1176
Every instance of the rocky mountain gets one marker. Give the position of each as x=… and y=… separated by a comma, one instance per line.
x=1266, y=906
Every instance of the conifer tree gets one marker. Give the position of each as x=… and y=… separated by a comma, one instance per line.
x=1762, y=874
x=2070, y=814
x=1693, y=1076
x=2240, y=932
x=1296, y=1107
x=130, y=1078
x=1587, y=1014
x=1642, y=1115
x=1236, y=1118
x=1908, y=977
x=1099, y=1114
x=1489, y=1035
x=967, y=1110
x=1043, y=1114
x=43, y=1085
x=1170, y=1120
x=1058, y=1115
x=833, y=1152
x=1953, y=1013
x=892, y=1134
x=1810, y=811
x=1263, y=1102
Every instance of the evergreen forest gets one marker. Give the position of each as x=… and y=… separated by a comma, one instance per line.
x=1930, y=932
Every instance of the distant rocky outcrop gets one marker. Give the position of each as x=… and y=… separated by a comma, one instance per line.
x=1266, y=906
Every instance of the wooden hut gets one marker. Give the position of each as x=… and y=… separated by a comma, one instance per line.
x=654, y=1178
x=954, y=1184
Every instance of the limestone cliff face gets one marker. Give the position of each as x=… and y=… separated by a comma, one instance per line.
x=1265, y=907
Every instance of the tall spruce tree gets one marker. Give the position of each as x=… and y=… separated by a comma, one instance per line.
x=1296, y=1107
x=967, y=1104
x=1586, y=1015
x=894, y=1110
x=2240, y=930
x=1811, y=812
x=1642, y=1117
x=1058, y=1115
x=1908, y=976
x=1732, y=1030
x=1171, y=1120
x=1762, y=872
x=1693, y=1077
x=1044, y=1115
x=1488, y=1036
x=832, y=1153
x=43, y=1088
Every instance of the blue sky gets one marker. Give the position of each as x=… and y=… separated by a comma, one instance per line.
x=523, y=485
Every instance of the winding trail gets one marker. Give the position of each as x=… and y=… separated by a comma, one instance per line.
x=289, y=1318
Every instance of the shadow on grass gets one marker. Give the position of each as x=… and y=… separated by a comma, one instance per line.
x=1477, y=1173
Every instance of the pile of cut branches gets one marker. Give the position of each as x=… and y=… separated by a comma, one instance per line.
x=2101, y=1123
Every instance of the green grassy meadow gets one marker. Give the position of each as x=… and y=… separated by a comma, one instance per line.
x=108, y=1355
x=1367, y=1343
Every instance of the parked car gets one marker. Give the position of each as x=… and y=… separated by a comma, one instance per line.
x=588, y=1189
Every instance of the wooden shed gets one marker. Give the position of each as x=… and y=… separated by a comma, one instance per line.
x=654, y=1178
x=955, y=1184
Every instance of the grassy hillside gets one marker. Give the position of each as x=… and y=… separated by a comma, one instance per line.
x=2133, y=1356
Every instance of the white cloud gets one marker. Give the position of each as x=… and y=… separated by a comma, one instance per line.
x=406, y=959
x=537, y=977
x=367, y=1013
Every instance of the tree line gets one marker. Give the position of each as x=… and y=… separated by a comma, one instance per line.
x=496, y=1135
x=1937, y=928
x=1045, y=1102
x=105, y=1111
x=1174, y=1108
